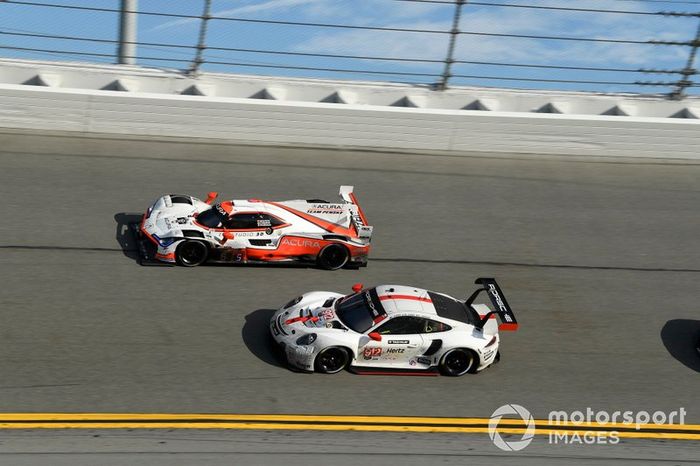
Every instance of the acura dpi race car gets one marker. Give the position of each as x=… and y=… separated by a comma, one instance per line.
x=391, y=329
x=185, y=230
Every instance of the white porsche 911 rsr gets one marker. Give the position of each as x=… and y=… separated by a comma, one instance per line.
x=392, y=329
x=185, y=230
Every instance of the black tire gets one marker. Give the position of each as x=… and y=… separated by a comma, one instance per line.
x=191, y=253
x=459, y=361
x=331, y=360
x=333, y=257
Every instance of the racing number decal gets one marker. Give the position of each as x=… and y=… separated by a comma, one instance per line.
x=233, y=255
x=372, y=352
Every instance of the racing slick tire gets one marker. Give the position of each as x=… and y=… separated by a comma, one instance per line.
x=331, y=360
x=333, y=257
x=191, y=253
x=459, y=361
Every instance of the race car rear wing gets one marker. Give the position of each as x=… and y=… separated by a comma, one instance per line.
x=358, y=218
x=498, y=299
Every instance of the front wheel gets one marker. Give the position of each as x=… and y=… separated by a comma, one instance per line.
x=333, y=257
x=191, y=253
x=458, y=362
x=331, y=360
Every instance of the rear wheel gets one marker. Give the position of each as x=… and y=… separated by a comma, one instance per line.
x=333, y=257
x=331, y=360
x=191, y=253
x=458, y=362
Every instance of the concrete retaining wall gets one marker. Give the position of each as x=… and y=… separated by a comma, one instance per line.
x=272, y=121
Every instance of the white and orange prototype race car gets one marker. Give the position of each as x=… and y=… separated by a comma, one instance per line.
x=188, y=231
x=393, y=330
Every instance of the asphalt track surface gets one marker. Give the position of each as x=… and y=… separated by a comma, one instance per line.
x=598, y=258
x=299, y=448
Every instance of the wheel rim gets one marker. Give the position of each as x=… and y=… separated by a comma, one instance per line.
x=458, y=362
x=334, y=256
x=332, y=360
x=191, y=253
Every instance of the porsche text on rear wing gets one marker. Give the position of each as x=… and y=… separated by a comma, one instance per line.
x=498, y=299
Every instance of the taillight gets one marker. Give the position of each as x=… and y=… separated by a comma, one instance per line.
x=493, y=341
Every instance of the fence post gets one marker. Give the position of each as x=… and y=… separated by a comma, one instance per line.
x=127, y=33
x=201, y=43
x=442, y=85
x=679, y=92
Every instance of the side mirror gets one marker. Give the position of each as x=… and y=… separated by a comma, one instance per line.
x=211, y=196
x=357, y=287
x=376, y=336
x=228, y=235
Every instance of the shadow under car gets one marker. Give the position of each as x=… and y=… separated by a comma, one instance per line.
x=681, y=337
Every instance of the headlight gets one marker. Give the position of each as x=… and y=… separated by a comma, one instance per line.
x=165, y=242
x=292, y=302
x=306, y=339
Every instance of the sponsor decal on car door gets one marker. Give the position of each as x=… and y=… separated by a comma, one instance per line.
x=392, y=351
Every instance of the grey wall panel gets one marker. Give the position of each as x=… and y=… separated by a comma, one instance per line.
x=361, y=126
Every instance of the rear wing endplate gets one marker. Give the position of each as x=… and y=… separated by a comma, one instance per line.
x=498, y=299
x=359, y=221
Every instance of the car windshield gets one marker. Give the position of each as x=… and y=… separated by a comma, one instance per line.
x=354, y=312
x=212, y=218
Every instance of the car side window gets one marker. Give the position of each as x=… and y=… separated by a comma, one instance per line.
x=242, y=222
x=405, y=325
x=267, y=220
x=402, y=325
x=433, y=326
x=252, y=221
